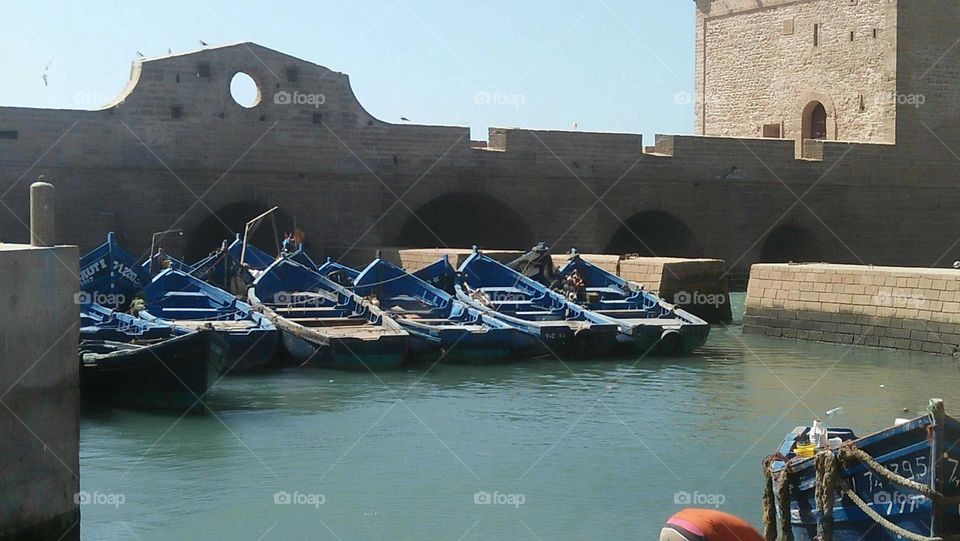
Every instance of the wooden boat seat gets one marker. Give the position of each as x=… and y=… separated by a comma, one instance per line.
x=328, y=322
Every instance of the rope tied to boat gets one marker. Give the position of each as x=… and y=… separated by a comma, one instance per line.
x=850, y=451
x=776, y=501
x=769, y=510
x=827, y=469
x=882, y=521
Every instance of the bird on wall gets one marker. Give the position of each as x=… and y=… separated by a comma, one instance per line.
x=169, y=50
x=44, y=76
x=404, y=119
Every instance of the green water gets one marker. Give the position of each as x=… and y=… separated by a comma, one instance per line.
x=592, y=449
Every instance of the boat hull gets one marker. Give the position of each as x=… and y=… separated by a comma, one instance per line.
x=345, y=353
x=655, y=340
x=461, y=346
x=173, y=374
x=924, y=450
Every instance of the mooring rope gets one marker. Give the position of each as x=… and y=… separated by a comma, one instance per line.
x=882, y=521
x=769, y=501
x=849, y=450
x=783, y=497
x=827, y=483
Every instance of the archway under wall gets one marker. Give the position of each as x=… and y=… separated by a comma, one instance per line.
x=229, y=221
x=791, y=242
x=655, y=233
x=464, y=219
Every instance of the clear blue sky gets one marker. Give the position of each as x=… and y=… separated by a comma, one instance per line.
x=606, y=65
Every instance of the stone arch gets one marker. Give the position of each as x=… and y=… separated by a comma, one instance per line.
x=463, y=219
x=791, y=242
x=812, y=103
x=229, y=221
x=655, y=233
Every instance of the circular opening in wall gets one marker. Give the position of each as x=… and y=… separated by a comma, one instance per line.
x=244, y=90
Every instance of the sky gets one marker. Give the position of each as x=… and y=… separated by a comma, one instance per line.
x=604, y=65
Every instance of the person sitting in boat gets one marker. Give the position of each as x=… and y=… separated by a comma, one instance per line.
x=692, y=524
x=574, y=287
x=289, y=244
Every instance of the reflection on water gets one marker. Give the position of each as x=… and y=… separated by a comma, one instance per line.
x=598, y=449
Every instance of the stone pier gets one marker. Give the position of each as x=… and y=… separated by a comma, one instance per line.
x=39, y=393
x=914, y=309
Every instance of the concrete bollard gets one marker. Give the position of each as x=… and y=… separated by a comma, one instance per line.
x=42, y=214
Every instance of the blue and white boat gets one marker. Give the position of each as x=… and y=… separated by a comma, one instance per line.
x=445, y=328
x=562, y=327
x=324, y=324
x=110, y=276
x=647, y=322
x=223, y=265
x=128, y=361
x=905, y=477
x=178, y=299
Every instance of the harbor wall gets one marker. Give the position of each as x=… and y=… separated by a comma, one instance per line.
x=351, y=181
x=903, y=308
x=39, y=393
x=696, y=285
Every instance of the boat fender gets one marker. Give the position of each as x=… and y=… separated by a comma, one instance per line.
x=671, y=342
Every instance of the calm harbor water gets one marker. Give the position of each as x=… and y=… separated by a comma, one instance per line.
x=582, y=450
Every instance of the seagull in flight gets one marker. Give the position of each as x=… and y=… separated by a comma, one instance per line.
x=404, y=119
x=141, y=55
x=44, y=76
x=203, y=43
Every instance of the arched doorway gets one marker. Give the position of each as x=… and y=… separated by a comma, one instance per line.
x=815, y=121
x=791, y=242
x=229, y=221
x=461, y=220
x=654, y=233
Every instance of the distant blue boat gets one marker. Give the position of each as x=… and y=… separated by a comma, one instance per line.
x=110, y=276
x=647, y=323
x=222, y=265
x=913, y=482
x=324, y=324
x=128, y=361
x=179, y=299
x=561, y=326
x=446, y=328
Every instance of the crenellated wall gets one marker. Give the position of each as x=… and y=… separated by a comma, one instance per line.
x=175, y=151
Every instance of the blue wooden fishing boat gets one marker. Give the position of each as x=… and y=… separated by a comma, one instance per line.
x=561, y=326
x=161, y=261
x=98, y=322
x=647, y=323
x=110, y=276
x=339, y=273
x=223, y=265
x=324, y=324
x=126, y=360
x=445, y=328
x=176, y=298
x=900, y=483
x=173, y=372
